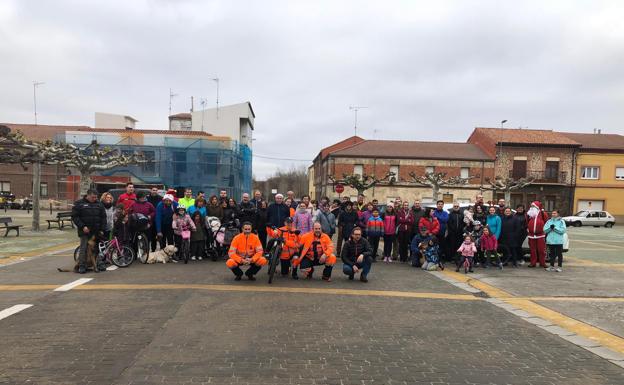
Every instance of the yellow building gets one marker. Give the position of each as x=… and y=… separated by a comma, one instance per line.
x=599, y=173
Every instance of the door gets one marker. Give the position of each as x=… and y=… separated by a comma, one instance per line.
x=519, y=169
x=584, y=204
x=593, y=218
x=552, y=171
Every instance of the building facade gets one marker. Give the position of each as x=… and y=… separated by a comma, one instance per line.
x=380, y=157
x=599, y=173
x=546, y=156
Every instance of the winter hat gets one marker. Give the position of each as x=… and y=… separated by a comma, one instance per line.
x=537, y=204
x=168, y=196
x=476, y=223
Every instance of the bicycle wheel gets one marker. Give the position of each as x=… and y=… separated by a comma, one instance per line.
x=186, y=246
x=142, y=248
x=76, y=253
x=274, y=262
x=123, y=258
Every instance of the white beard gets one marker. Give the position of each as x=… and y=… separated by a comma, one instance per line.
x=533, y=211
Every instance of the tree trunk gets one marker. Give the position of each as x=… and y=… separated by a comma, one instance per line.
x=36, y=195
x=508, y=197
x=436, y=192
x=85, y=183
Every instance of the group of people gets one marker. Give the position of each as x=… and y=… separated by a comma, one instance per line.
x=479, y=235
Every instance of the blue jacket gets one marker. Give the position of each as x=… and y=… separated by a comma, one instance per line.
x=164, y=215
x=202, y=211
x=494, y=223
x=443, y=217
x=554, y=236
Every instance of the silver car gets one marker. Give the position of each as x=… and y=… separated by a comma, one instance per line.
x=594, y=218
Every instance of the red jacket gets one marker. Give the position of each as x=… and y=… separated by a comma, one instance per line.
x=144, y=208
x=127, y=200
x=535, y=225
x=432, y=227
x=405, y=220
x=489, y=242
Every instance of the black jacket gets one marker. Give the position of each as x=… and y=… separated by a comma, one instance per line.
x=347, y=221
x=154, y=199
x=91, y=215
x=521, y=228
x=417, y=215
x=509, y=231
x=455, y=224
x=261, y=220
x=247, y=212
x=351, y=250
x=277, y=214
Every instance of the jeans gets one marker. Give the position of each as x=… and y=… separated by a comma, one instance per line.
x=167, y=236
x=82, y=255
x=556, y=252
x=388, y=242
x=364, y=267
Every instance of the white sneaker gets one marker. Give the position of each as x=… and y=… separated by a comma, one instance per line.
x=550, y=268
x=199, y=258
x=193, y=258
x=559, y=270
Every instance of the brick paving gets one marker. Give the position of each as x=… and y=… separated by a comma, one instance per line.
x=199, y=336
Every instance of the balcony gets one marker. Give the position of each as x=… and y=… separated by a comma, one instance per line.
x=558, y=177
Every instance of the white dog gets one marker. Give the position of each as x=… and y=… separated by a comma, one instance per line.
x=162, y=255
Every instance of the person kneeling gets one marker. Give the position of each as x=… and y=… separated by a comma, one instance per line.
x=356, y=256
x=246, y=250
x=290, y=247
x=317, y=249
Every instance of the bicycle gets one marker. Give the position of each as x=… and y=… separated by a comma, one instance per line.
x=139, y=224
x=275, y=252
x=112, y=251
x=185, y=245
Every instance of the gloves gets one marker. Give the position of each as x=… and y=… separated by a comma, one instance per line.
x=552, y=227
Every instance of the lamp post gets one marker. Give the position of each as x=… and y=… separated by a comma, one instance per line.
x=503, y=122
x=36, y=186
x=35, y=85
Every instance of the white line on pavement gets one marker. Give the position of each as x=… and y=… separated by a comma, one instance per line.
x=12, y=310
x=71, y=285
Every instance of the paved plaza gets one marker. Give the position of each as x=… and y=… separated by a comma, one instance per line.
x=192, y=324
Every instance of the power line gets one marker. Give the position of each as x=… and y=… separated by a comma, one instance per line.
x=275, y=158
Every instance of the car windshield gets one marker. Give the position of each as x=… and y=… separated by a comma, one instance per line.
x=581, y=214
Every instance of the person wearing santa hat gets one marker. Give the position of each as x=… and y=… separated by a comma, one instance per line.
x=535, y=227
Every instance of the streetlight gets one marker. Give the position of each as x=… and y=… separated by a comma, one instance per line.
x=35, y=85
x=503, y=122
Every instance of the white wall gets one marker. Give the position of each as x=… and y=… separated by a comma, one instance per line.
x=106, y=120
x=229, y=122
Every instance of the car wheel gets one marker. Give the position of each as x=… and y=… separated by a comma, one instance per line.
x=609, y=224
x=577, y=224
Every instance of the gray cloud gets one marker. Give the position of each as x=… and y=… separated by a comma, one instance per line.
x=427, y=70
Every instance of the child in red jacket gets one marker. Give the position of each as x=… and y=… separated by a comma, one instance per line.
x=489, y=245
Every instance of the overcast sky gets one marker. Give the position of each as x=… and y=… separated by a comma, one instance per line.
x=427, y=70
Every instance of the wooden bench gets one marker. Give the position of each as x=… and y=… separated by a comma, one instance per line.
x=60, y=220
x=9, y=226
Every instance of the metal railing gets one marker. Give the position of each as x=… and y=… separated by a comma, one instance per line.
x=560, y=177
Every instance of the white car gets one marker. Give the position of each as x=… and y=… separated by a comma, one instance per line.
x=594, y=218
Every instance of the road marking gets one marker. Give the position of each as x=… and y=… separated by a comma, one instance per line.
x=593, y=333
x=26, y=287
x=74, y=284
x=16, y=258
x=12, y=310
x=602, y=245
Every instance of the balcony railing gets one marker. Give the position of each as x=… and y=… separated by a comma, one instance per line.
x=560, y=177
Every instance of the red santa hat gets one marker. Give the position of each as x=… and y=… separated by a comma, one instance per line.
x=537, y=204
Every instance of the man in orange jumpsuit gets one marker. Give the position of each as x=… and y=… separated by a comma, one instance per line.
x=317, y=249
x=291, y=245
x=246, y=250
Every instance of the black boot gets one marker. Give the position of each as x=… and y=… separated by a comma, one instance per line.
x=294, y=273
x=238, y=273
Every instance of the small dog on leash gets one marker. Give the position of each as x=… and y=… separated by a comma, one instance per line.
x=162, y=255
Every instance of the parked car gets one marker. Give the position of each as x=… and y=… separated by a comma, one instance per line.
x=594, y=218
x=6, y=199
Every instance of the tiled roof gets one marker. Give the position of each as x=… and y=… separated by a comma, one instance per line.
x=525, y=136
x=182, y=115
x=413, y=150
x=597, y=141
x=340, y=145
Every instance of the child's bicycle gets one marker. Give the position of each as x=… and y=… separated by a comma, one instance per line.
x=112, y=252
x=466, y=265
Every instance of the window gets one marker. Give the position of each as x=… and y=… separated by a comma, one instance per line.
x=603, y=214
x=179, y=161
x=619, y=173
x=519, y=169
x=552, y=170
x=550, y=202
x=358, y=169
x=430, y=169
x=447, y=198
x=43, y=190
x=590, y=172
x=5, y=187
x=395, y=170
x=464, y=173
x=150, y=165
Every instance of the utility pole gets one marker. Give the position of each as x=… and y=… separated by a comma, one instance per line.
x=171, y=96
x=355, y=112
x=36, y=185
x=216, y=80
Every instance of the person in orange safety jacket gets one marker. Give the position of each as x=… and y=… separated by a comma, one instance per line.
x=291, y=245
x=317, y=249
x=246, y=249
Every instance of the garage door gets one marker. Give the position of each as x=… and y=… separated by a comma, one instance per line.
x=590, y=205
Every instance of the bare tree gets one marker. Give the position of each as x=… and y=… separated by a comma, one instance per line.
x=361, y=183
x=15, y=148
x=438, y=180
x=295, y=179
x=507, y=185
